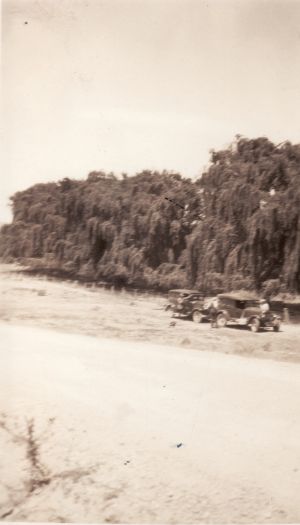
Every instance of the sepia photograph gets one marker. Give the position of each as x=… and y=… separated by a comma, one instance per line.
x=150, y=262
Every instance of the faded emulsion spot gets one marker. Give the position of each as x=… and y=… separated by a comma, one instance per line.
x=25, y=23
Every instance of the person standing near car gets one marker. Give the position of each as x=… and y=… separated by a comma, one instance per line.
x=213, y=311
x=264, y=306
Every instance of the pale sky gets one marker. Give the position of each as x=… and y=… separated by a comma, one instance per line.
x=126, y=85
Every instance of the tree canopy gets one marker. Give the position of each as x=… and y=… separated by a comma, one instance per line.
x=237, y=226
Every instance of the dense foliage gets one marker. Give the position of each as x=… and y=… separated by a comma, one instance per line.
x=238, y=226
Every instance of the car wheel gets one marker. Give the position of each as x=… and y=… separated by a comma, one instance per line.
x=276, y=327
x=254, y=325
x=197, y=316
x=221, y=320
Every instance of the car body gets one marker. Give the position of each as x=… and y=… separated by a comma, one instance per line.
x=245, y=311
x=186, y=303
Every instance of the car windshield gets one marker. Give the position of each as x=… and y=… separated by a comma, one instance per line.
x=252, y=302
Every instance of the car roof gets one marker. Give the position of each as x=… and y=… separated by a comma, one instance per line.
x=237, y=297
x=184, y=291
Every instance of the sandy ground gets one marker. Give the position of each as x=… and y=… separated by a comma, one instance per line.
x=107, y=420
x=72, y=308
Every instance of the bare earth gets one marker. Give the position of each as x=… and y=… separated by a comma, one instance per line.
x=109, y=414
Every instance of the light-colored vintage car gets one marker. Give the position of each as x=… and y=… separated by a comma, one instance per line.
x=245, y=311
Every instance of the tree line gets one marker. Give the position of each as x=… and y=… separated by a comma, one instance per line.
x=235, y=227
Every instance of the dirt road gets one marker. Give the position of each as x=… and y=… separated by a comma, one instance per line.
x=124, y=432
x=103, y=429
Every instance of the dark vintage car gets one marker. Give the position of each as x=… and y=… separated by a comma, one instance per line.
x=186, y=303
x=245, y=311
